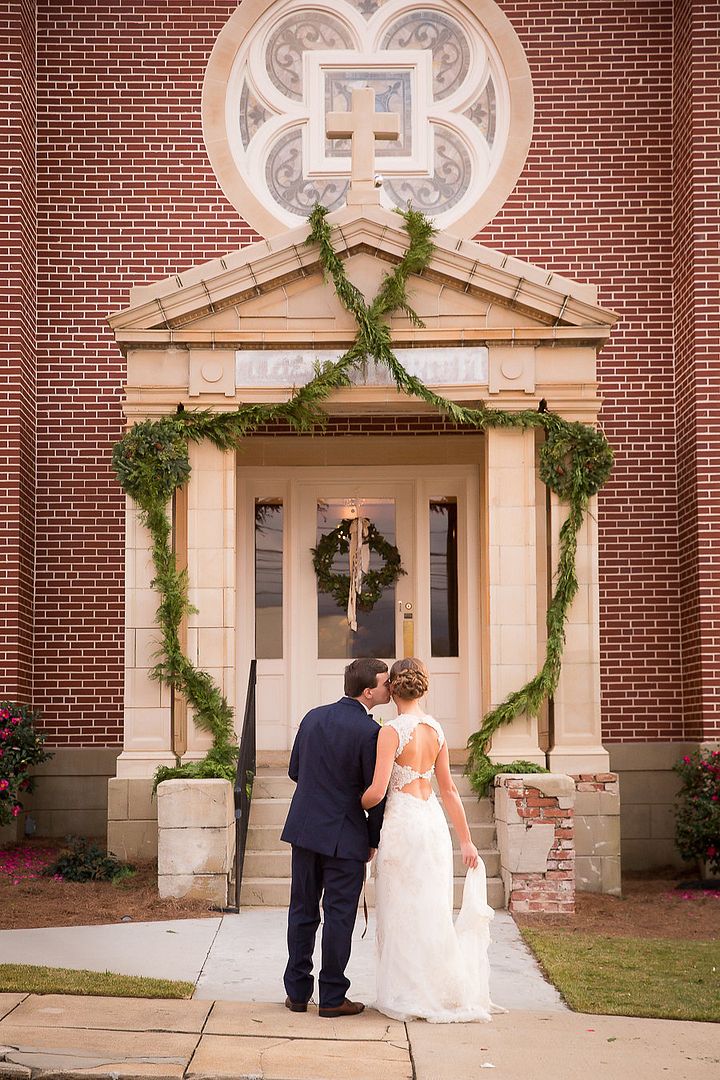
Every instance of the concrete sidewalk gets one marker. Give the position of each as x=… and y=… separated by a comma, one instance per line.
x=242, y=957
x=70, y=1037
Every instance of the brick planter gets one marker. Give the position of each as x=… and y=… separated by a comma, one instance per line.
x=534, y=818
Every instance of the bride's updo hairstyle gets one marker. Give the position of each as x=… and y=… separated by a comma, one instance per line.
x=409, y=679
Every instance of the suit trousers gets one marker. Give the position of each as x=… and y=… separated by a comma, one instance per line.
x=339, y=882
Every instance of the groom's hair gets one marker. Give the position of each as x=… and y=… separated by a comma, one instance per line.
x=362, y=674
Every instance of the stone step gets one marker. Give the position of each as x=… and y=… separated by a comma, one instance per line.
x=271, y=786
x=274, y=784
x=273, y=811
x=267, y=837
x=275, y=892
x=278, y=864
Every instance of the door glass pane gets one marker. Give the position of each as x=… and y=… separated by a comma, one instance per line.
x=268, y=579
x=443, y=577
x=375, y=635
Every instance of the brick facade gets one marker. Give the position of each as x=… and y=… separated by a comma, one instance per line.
x=125, y=195
x=17, y=348
x=697, y=346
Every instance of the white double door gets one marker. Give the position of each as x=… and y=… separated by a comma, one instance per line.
x=300, y=635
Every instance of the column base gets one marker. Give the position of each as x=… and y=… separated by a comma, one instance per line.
x=532, y=754
x=141, y=764
x=574, y=760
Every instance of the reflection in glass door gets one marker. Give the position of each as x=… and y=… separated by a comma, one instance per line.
x=375, y=634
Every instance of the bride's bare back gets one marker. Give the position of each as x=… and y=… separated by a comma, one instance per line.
x=420, y=755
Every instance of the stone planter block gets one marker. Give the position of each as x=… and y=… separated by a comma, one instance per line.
x=210, y=887
x=207, y=804
x=195, y=851
x=196, y=839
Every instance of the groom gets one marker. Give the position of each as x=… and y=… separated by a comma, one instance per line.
x=332, y=763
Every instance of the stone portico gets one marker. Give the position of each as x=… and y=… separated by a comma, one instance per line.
x=527, y=333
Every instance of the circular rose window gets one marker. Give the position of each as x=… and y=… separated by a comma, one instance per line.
x=455, y=74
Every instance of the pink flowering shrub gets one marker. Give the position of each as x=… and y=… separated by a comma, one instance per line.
x=21, y=748
x=697, y=821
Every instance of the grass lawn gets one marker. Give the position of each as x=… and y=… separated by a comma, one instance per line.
x=29, y=979
x=667, y=979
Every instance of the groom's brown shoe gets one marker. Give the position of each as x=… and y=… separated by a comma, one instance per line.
x=348, y=1008
x=295, y=1006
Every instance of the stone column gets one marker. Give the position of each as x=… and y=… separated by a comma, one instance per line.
x=513, y=584
x=211, y=570
x=577, y=742
x=146, y=742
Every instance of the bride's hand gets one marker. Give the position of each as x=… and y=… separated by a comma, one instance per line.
x=469, y=854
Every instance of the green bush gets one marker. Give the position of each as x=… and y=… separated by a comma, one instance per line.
x=84, y=861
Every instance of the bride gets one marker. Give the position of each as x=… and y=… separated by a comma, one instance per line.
x=427, y=967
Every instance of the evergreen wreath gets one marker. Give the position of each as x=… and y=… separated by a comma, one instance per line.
x=151, y=461
x=374, y=582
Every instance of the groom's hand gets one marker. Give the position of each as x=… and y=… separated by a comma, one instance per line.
x=371, y=856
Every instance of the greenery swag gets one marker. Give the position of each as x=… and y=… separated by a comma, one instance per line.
x=374, y=582
x=152, y=461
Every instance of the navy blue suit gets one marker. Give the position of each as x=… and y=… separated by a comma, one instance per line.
x=332, y=762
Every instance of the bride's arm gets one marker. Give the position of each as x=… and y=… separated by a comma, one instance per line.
x=453, y=804
x=387, y=744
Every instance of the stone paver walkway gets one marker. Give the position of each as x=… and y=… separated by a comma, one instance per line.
x=71, y=1037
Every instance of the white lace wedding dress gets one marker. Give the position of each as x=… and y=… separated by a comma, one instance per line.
x=427, y=967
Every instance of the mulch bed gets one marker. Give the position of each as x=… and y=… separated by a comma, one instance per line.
x=652, y=906
x=29, y=900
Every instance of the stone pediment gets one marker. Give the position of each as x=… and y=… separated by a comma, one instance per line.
x=272, y=292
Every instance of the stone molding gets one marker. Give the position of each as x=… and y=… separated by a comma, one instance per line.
x=248, y=272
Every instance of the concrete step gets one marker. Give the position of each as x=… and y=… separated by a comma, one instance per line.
x=273, y=810
x=268, y=812
x=264, y=837
x=275, y=892
x=278, y=864
x=271, y=786
x=275, y=783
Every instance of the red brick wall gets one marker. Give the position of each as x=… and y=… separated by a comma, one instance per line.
x=697, y=343
x=17, y=347
x=126, y=195
x=594, y=202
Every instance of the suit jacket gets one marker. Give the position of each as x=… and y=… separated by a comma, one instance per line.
x=333, y=762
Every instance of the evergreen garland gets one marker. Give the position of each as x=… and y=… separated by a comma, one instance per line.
x=151, y=462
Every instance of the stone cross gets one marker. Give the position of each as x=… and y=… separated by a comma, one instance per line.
x=363, y=125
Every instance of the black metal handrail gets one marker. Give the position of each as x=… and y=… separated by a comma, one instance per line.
x=244, y=779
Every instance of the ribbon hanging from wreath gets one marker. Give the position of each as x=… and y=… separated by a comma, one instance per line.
x=361, y=587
